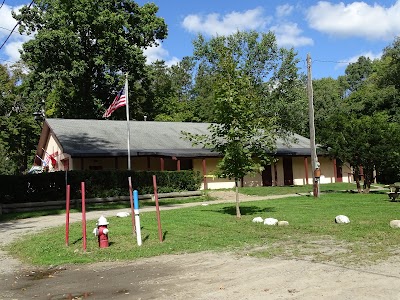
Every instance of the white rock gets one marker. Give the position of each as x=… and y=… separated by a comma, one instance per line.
x=123, y=214
x=283, y=223
x=258, y=220
x=341, y=219
x=395, y=223
x=270, y=221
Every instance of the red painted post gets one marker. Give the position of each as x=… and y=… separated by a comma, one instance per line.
x=67, y=199
x=132, y=209
x=162, y=164
x=83, y=215
x=157, y=209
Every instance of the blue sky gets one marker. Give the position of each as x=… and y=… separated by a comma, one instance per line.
x=334, y=33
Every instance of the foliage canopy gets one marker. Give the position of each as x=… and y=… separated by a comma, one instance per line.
x=358, y=116
x=81, y=49
x=251, y=77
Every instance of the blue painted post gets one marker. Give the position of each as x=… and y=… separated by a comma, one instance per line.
x=137, y=218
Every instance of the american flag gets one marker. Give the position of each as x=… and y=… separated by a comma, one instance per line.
x=50, y=157
x=44, y=163
x=120, y=100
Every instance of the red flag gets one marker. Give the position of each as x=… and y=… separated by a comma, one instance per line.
x=120, y=100
x=49, y=157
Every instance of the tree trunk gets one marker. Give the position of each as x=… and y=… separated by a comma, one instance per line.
x=238, y=214
x=357, y=178
x=368, y=177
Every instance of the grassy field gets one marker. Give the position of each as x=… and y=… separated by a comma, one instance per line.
x=312, y=232
x=255, y=191
x=94, y=207
x=297, y=189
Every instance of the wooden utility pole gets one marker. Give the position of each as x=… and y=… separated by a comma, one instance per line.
x=314, y=158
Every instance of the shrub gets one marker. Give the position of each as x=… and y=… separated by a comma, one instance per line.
x=52, y=186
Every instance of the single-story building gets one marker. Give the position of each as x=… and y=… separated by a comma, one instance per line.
x=76, y=144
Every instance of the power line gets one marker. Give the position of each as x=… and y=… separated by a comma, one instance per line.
x=333, y=61
x=328, y=61
x=12, y=31
x=2, y=4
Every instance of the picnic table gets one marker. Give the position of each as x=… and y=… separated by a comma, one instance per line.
x=394, y=191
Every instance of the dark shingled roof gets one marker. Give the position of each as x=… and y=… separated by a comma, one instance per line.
x=87, y=138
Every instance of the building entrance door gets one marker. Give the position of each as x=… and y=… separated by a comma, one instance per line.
x=267, y=176
x=287, y=171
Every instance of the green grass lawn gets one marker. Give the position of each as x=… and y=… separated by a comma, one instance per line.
x=105, y=206
x=255, y=191
x=296, y=189
x=312, y=232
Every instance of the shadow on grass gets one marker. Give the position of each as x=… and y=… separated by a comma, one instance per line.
x=245, y=210
x=104, y=207
x=27, y=215
x=145, y=238
x=338, y=192
x=380, y=192
x=375, y=192
x=169, y=202
x=333, y=191
x=76, y=241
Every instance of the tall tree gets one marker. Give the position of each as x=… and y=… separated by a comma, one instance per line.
x=170, y=91
x=328, y=99
x=391, y=56
x=360, y=126
x=367, y=141
x=287, y=94
x=358, y=72
x=6, y=109
x=19, y=132
x=387, y=79
x=81, y=48
x=246, y=125
x=203, y=94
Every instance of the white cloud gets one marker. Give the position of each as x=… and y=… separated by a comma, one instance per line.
x=159, y=53
x=173, y=61
x=215, y=24
x=356, y=19
x=353, y=59
x=289, y=35
x=6, y=19
x=10, y=51
x=284, y=10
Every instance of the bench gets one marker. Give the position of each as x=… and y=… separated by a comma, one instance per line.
x=394, y=191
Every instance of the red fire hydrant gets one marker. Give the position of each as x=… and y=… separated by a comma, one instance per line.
x=102, y=232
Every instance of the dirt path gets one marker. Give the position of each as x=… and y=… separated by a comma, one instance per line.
x=203, y=275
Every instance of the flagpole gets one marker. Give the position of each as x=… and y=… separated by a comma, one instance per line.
x=129, y=155
x=127, y=121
